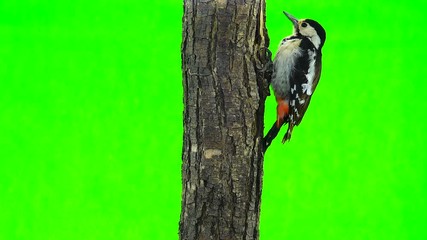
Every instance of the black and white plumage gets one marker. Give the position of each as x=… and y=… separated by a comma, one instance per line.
x=296, y=72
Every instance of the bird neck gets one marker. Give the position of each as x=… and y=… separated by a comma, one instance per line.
x=316, y=41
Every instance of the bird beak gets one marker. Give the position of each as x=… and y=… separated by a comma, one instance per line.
x=293, y=20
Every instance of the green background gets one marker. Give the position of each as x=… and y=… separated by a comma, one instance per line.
x=91, y=123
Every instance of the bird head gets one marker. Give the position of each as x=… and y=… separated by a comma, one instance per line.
x=310, y=29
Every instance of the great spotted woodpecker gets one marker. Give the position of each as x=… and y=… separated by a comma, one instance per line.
x=296, y=72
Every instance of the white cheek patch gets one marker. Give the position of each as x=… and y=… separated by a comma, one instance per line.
x=316, y=41
x=312, y=34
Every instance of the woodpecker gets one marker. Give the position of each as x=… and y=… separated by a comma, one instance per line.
x=296, y=72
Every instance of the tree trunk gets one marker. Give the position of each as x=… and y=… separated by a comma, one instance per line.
x=223, y=52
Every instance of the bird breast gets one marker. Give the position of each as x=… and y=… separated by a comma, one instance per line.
x=284, y=63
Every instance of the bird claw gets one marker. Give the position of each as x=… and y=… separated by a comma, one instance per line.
x=264, y=67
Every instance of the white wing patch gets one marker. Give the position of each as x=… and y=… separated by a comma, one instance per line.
x=300, y=100
x=308, y=87
x=297, y=96
x=293, y=89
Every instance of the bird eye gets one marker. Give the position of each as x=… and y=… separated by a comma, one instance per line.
x=303, y=24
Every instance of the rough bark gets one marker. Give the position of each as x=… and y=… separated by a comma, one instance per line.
x=223, y=52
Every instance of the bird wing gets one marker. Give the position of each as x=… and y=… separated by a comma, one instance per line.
x=303, y=83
